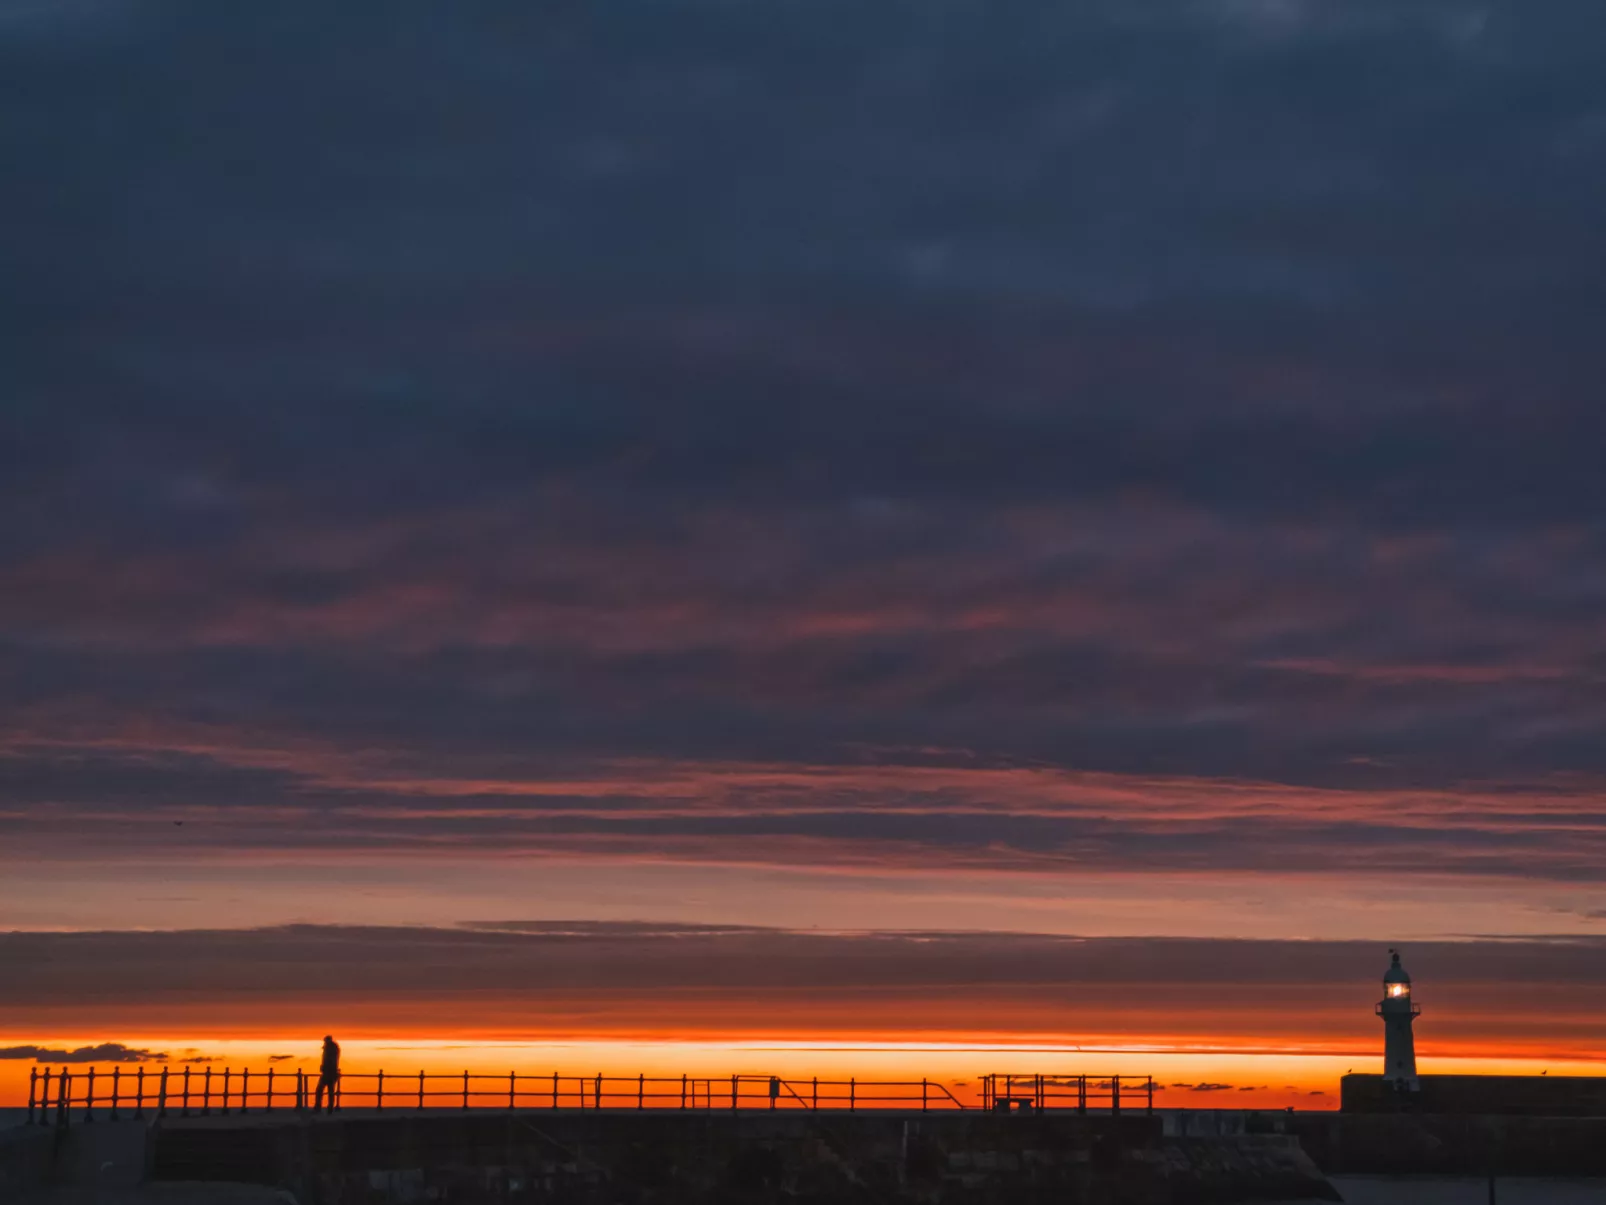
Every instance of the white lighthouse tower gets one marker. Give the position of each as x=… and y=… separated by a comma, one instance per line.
x=1398, y=1010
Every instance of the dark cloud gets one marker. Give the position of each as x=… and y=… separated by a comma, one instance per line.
x=650, y=956
x=602, y=930
x=665, y=980
x=1206, y=393
x=943, y=811
x=106, y=1052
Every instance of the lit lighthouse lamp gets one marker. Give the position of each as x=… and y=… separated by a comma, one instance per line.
x=1398, y=1010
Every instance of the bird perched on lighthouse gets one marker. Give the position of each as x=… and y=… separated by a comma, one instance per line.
x=1398, y=1010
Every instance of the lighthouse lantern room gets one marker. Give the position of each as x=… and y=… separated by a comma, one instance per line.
x=1398, y=1011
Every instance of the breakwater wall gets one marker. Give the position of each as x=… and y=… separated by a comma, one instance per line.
x=624, y=1156
x=636, y=1158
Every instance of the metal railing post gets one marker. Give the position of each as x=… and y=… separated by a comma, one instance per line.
x=853, y=1092
x=89, y=1098
x=161, y=1095
x=682, y=1092
x=139, y=1093
x=245, y=1090
x=512, y=1090
x=206, y=1093
x=379, y=1091
x=1081, y=1094
x=922, y=1094
x=1150, y=1108
x=33, y=1084
x=301, y=1091
x=1115, y=1094
x=267, y=1104
x=465, y=1089
x=597, y=1097
x=554, y=1089
x=420, y=1089
x=734, y=1093
x=814, y=1096
x=225, y=1091
x=63, y=1099
x=117, y=1083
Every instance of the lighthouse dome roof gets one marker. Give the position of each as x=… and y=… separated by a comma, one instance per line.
x=1396, y=973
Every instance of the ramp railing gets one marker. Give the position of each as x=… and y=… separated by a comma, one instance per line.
x=1028, y=1093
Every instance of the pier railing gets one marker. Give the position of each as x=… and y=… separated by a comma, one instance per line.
x=167, y=1092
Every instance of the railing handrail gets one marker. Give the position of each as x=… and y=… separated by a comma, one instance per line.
x=185, y=1092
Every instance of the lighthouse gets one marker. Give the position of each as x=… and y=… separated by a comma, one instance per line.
x=1398, y=1010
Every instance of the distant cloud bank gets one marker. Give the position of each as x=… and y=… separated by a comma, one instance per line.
x=106, y=1052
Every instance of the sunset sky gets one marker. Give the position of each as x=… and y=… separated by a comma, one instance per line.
x=847, y=534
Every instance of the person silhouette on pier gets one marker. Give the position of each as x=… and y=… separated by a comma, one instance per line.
x=328, y=1075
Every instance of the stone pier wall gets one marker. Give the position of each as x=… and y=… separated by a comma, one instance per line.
x=626, y=1158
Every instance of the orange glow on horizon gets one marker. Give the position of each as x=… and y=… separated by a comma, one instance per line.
x=1230, y=1073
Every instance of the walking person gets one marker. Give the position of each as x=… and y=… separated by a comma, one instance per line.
x=328, y=1075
